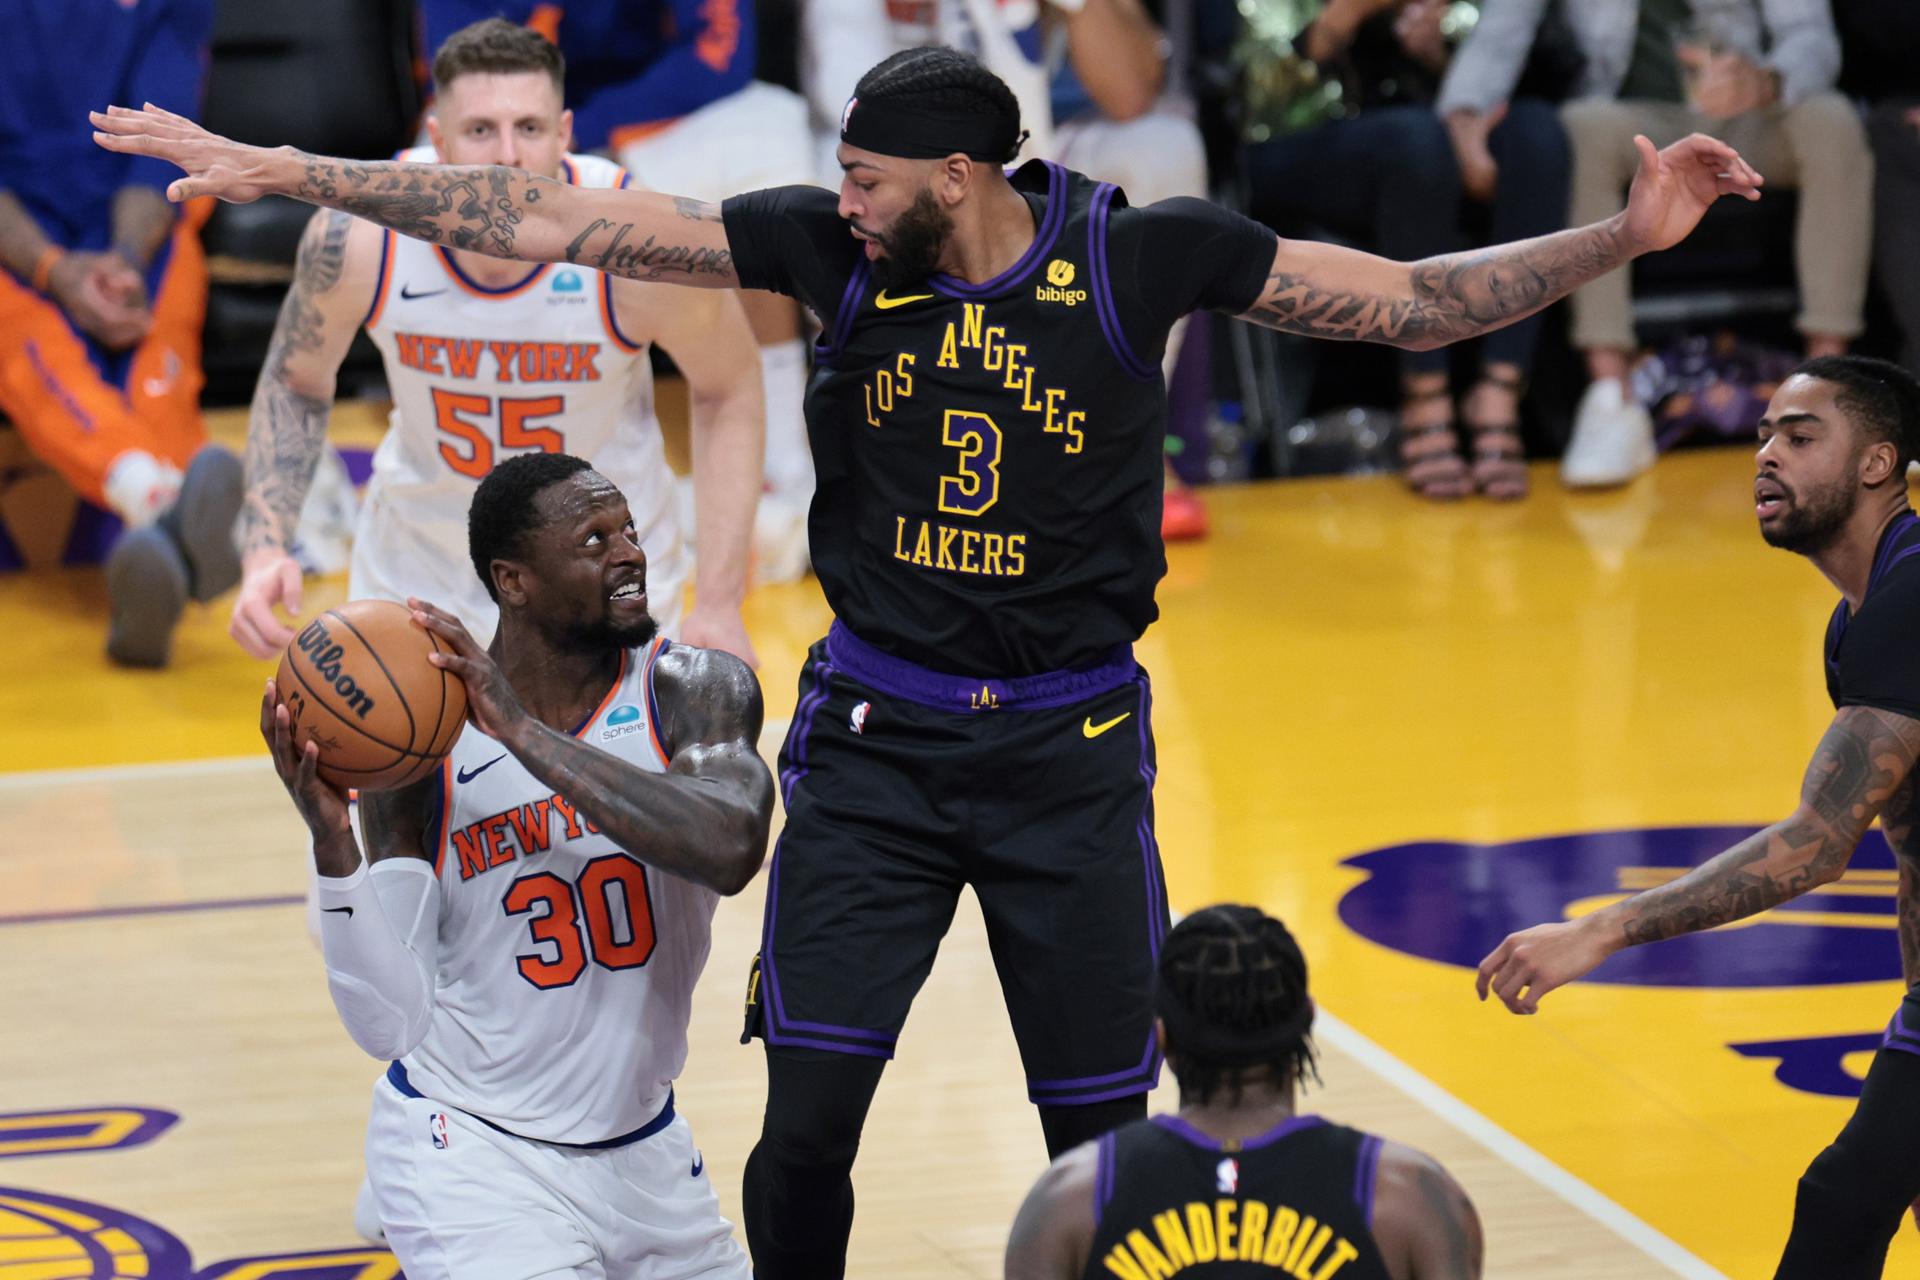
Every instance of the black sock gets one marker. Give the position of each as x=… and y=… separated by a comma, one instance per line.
x=798, y=1193
x=1068, y=1127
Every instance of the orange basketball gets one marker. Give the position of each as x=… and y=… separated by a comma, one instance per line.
x=357, y=681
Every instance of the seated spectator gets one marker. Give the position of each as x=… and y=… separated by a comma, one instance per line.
x=102, y=302
x=1758, y=75
x=666, y=88
x=1376, y=166
x=1091, y=79
x=1880, y=51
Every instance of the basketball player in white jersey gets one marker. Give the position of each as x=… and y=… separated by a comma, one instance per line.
x=524, y=935
x=487, y=360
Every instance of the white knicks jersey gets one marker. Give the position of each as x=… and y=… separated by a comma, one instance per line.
x=480, y=374
x=566, y=966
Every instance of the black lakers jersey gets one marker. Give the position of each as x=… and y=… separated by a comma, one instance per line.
x=1296, y=1201
x=1872, y=660
x=988, y=456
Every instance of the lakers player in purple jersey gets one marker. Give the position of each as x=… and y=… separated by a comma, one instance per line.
x=522, y=940
x=1239, y=1183
x=1835, y=445
x=986, y=415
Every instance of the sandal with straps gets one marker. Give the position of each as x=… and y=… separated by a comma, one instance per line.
x=1430, y=454
x=1499, y=457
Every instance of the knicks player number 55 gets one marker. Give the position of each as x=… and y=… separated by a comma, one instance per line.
x=461, y=415
x=579, y=919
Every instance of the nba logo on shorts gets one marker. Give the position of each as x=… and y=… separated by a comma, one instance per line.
x=437, y=1130
x=1226, y=1176
x=858, y=721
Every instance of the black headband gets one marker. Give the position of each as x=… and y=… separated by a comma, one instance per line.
x=1189, y=1033
x=915, y=132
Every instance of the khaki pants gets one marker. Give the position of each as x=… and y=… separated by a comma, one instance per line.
x=1818, y=145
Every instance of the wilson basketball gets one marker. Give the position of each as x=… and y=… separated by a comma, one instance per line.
x=357, y=681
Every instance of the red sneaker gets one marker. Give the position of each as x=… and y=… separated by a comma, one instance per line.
x=1183, y=517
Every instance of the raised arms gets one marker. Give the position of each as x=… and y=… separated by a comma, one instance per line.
x=500, y=212
x=1326, y=291
x=1861, y=763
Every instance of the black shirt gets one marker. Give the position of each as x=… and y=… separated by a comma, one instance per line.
x=988, y=456
x=1296, y=1201
x=1873, y=657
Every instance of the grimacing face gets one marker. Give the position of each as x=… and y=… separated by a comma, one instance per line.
x=512, y=118
x=890, y=207
x=1808, y=467
x=583, y=572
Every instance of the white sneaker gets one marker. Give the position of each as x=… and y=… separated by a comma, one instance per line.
x=1612, y=439
x=779, y=540
x=323, y=539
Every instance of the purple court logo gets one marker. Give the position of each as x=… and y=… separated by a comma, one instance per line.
x=55, y=1236
x=1454, y=903
x=45, y=1133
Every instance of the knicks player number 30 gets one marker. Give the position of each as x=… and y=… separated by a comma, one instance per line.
x=462, y=417
x=578, y=920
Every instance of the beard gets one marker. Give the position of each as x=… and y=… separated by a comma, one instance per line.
x=913, y=245
x=597, y=635
x=1810, y=524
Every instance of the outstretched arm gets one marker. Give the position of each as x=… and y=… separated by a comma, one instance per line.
x=1326, y=291
x=1861, y=762
x=490, y=209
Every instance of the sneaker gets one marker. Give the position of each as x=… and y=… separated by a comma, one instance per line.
x=366, y=1215
x=1612, y=439
x=146, y=594
x=201, y=520
x=1183, y=517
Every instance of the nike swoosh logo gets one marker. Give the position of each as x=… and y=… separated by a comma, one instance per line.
x=468, y=775
x=407, y=296
x=348, y=910
x=699, y=1163
x=1092, y=730
x=882, y=301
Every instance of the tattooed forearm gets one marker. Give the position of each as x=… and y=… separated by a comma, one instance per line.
x=1441, y=299
x=1863, y=759
x=646, y=260
x=507, y=213
x=287, y=429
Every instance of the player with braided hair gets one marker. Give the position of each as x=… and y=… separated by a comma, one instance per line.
x=986, y=415
x=1237, y=1183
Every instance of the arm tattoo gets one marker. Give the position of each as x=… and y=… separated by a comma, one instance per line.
x=482, y=209
x=1864, y=757
x=1447, y=298
x=646, y=260
x=1897, y=823
x=1458, y=1221
x=288, y=429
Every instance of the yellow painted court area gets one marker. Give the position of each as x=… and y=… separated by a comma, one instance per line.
x=1341, y=669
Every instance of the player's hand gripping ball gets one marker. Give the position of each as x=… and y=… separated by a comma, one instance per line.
x=357, y=681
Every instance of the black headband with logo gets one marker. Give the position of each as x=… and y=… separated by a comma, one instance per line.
x=915, y=132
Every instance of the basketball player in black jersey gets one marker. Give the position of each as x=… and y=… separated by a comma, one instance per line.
x=1832, y=485
x=1237, y=1183
x=985, y=412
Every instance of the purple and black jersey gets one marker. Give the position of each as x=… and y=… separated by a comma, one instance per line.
x=989, y=455
x=1873, y=659
x=1295, y=1201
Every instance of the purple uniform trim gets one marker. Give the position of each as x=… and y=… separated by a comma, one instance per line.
x=1103, y=287
x=832, y=341
x=1048, y=232
x=1363, y=1176
x=1902, y=1036
x=1291, y=1125
x=778, y=1028
x=1103, y=1176
x=899, y=678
